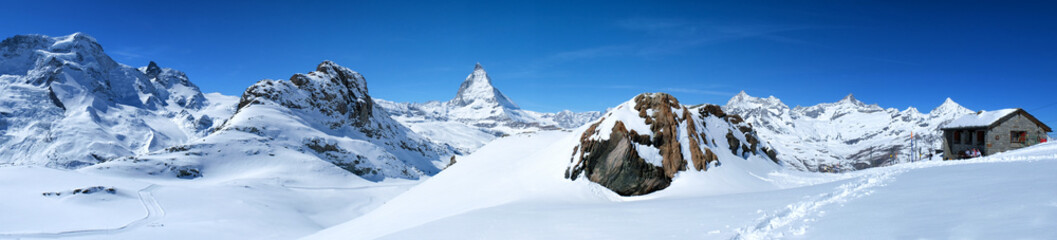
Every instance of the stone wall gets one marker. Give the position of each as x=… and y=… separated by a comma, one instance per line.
x=998, y=138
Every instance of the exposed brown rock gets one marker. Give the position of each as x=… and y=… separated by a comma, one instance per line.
x=733, y=142
x=753, y=142
x=735, y=119
x=665, y=129
x=712, y=110
x=699, y=160
x=773, y=155
x=709, y=158
x=615, y=164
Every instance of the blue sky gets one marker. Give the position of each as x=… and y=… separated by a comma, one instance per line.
x=553, y=55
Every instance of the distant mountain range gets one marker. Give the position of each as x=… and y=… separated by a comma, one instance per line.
x=844, y=135
x=66, y=104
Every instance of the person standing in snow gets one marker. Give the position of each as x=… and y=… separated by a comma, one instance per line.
x=968, y=153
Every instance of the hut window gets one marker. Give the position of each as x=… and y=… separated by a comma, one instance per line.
x=1018, y=136
x=979, y=137
x=958, y=136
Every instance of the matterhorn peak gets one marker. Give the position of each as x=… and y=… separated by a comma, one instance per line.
x=478, y=89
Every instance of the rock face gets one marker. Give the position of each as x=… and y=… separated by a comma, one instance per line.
x=843, y=135
x=336, y=92
x=639, y=146
x=67, y=104
x=477, y=114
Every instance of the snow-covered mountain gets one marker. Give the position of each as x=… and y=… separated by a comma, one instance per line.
x=64, y=103
x=310, y=123
x=847, y=134
x=478, y=114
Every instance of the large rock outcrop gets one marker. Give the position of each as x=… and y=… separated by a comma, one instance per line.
x=640, y=146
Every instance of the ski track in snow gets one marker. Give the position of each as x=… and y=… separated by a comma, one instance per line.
x=146, y=197
x=795, y=218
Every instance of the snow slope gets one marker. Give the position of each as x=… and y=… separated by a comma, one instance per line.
x=1001, y=196
x=477, y=114
x=297, y=157
x=236, y=206
x=65, y=104
x=530, y=168
x=843, y=135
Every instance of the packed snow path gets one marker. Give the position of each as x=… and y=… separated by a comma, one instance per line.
x=146, y=196
x=796, y=217
x=794, y=220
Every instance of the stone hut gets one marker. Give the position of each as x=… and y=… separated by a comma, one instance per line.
x=992, y=132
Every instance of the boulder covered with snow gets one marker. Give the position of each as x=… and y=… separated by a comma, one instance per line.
x=639, y=147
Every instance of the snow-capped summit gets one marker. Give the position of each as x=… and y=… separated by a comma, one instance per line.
x=178, y=90
x=67, y=104
x=851, y=102
x=949, y=107
x=477, y=91
x=850, y=99
x=478, y=100
x=744, y=100
x=478, y=114
x=847, y=134
x=152, y=69
x=910, y=111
